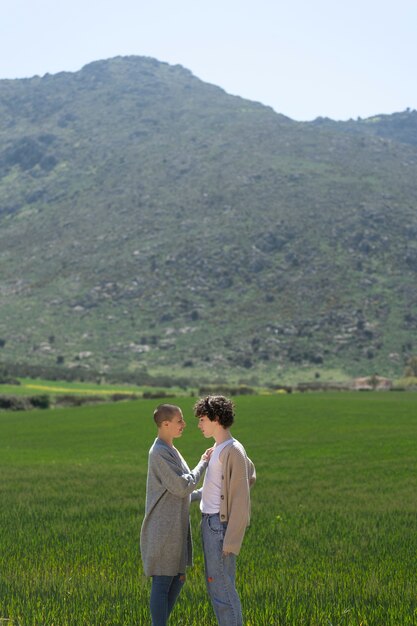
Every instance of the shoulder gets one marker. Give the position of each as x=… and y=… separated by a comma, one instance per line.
x=161, y=450
x=235, y=450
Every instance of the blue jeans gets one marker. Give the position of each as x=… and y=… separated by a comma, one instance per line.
x=220, y=572
x=164, y=594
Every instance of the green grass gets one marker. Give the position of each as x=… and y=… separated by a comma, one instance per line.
x=333, y=535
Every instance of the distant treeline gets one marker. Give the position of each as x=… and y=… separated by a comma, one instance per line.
x=24, y=403
x=9, y=372
x=45, y=401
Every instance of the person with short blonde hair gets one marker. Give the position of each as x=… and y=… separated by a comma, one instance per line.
x=165, y=540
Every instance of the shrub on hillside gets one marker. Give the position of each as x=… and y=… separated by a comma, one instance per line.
x=8, y=380
x=15, y=403
x=117, y=397
x=322, y=386
x=411, y=369
x=24, y=403
x=73, y=400
x=5, y=377
x=226, y=390
x=156, y=394
x=42, y=401
x=408, y=383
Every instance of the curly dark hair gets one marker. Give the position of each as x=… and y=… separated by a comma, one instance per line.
x=216, y=407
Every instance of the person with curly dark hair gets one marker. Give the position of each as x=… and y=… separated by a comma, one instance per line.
x=225, y=506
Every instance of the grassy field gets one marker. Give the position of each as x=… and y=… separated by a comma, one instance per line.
x=333, y=538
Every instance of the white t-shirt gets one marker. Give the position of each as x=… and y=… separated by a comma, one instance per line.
x=210, y=495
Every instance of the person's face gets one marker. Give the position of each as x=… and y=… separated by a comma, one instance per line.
x=176, y=425
x=206, y=426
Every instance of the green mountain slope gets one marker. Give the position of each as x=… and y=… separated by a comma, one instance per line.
x=150, y=220
x=400, y=127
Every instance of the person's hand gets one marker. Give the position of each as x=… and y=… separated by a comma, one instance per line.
x=207, y=454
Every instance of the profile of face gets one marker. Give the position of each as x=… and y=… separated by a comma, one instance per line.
x=206, y=426
x=175, y=427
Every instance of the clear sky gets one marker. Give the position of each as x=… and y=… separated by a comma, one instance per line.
x=305, y=58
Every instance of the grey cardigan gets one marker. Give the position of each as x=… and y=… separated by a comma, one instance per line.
x=165, y=538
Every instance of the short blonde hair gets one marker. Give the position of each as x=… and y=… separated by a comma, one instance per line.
x=165, y=412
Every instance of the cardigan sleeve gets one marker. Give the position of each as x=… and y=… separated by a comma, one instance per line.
x=171, y=475
x=241, y=477
x=239, y=503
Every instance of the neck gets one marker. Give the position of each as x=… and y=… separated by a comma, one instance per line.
x=168, y=440
x=223, y=434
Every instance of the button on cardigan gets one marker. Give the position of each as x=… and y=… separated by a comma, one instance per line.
x=165, y=539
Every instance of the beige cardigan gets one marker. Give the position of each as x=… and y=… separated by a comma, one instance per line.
x=238, y=476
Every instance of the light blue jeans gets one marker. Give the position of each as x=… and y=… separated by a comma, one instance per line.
x=220, y=572
x=164, y=594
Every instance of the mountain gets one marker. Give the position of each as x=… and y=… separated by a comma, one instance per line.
x=400, y=127
x=152, y=222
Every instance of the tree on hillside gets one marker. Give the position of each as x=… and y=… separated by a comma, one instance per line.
x=411, y=367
